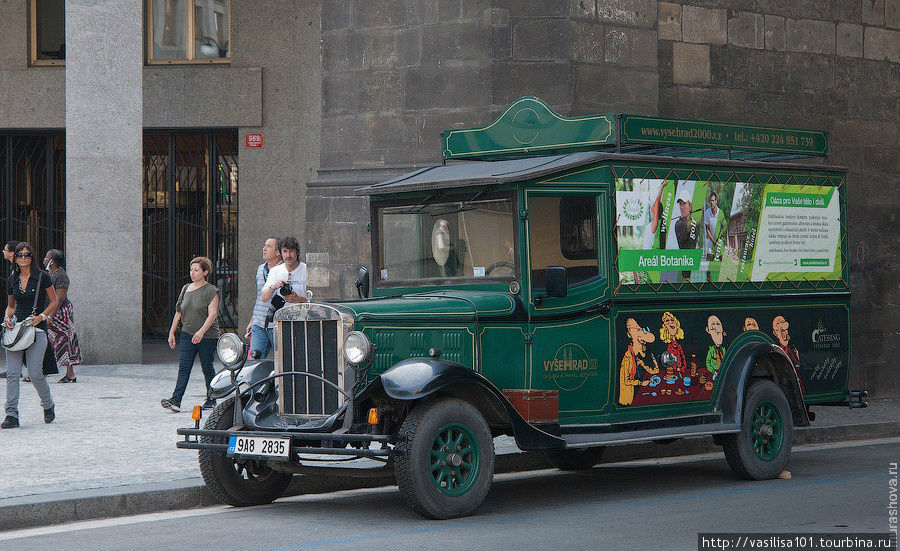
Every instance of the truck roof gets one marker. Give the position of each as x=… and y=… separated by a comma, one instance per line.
x=458, y=174
x=530, y=140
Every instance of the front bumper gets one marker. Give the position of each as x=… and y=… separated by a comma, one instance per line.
x=302, y=443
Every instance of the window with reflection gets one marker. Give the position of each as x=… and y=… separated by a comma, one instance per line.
x=188, y=31
x=48, y=32
x=438, y=239
x=562, y=231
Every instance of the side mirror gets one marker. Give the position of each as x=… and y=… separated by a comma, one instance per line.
x=362, y=282
x=556, y=282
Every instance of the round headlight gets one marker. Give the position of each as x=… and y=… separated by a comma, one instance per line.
x=229, y=348
x=356, y=347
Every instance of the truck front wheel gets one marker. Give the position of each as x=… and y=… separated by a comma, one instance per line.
x=762, y=449
x=445, y=462
x=238, y=482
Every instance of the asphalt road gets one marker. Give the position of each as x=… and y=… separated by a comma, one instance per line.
x=653, y=504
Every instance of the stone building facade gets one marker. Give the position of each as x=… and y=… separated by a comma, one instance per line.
x=106, y=99
x=351, y=92
x=397, y=72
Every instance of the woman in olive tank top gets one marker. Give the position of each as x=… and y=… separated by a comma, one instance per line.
x=195, y=329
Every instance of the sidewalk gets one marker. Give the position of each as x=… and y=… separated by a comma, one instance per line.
x=111, y=438
x=109, y=431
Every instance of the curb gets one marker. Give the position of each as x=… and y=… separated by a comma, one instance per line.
x=48, y=509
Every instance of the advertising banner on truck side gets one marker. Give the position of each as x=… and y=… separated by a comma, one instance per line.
x=680, y=231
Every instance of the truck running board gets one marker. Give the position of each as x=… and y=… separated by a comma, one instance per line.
x=854, y=400
x=587, y=440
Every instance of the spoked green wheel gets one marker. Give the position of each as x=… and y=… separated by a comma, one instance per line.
x=455, y=459
x=767, y=430
x=445, y=462
x=763, y=446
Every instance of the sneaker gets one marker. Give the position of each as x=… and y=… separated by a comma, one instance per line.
x=209, y=404
x=49, y=415
x=169, y=404
x=9, y=423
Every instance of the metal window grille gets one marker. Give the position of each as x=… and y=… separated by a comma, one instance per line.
x=190, y=209
x=32, y=189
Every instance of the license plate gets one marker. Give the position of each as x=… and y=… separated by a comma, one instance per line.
x=259, y=446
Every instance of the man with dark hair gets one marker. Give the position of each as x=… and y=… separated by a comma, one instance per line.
x=261, y=338
x=685, y=226
x=287, y=279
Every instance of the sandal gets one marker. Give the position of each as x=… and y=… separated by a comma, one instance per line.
x=66, y=379
x=26, y=379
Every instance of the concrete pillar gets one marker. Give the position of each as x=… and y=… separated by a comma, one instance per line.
x=104, y=52
x=272, y=186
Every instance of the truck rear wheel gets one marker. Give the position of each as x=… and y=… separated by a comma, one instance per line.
x=762, y=449
x=576, y=459
x=238, y=482
x=446, y=461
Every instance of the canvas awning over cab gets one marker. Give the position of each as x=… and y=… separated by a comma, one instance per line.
x=481, y=173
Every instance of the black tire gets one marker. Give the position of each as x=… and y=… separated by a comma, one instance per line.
x=576, y=459
x=419, y=478
x=768, y=456
x=237, y=482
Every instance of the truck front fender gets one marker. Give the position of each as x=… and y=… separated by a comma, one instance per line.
x=419, y=378
x=252, y=372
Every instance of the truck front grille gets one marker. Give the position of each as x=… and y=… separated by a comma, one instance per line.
x=312, y=347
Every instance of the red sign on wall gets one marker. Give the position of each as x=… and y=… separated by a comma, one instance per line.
x=253, y=140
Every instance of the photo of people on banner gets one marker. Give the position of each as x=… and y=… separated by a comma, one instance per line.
x=672, y=231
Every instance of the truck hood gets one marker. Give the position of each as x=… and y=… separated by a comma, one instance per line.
x=434, y=305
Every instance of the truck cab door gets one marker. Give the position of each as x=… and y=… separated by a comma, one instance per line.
x=570, y=339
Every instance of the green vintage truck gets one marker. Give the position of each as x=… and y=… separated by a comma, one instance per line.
x=574, y=283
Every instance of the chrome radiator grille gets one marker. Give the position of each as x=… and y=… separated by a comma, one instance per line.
x=311, y=345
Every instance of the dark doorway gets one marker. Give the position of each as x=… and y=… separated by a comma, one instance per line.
x=33, y=190
x=190, y=209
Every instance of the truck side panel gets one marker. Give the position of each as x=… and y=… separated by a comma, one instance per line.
x=815, y=335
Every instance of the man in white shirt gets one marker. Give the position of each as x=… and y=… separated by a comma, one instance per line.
x=711, y=222
x=291, y=273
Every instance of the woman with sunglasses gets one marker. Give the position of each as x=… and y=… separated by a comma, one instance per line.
x=27, y=281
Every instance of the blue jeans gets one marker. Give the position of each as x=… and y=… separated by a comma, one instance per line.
x=262, y=340
x=187, y=351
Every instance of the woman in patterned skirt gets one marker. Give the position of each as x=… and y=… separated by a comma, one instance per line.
x=62, y=325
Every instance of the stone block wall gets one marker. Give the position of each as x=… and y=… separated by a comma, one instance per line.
x=397, y=72
x=817, y=64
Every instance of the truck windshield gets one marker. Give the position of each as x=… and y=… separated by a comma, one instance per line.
x=466, y=239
